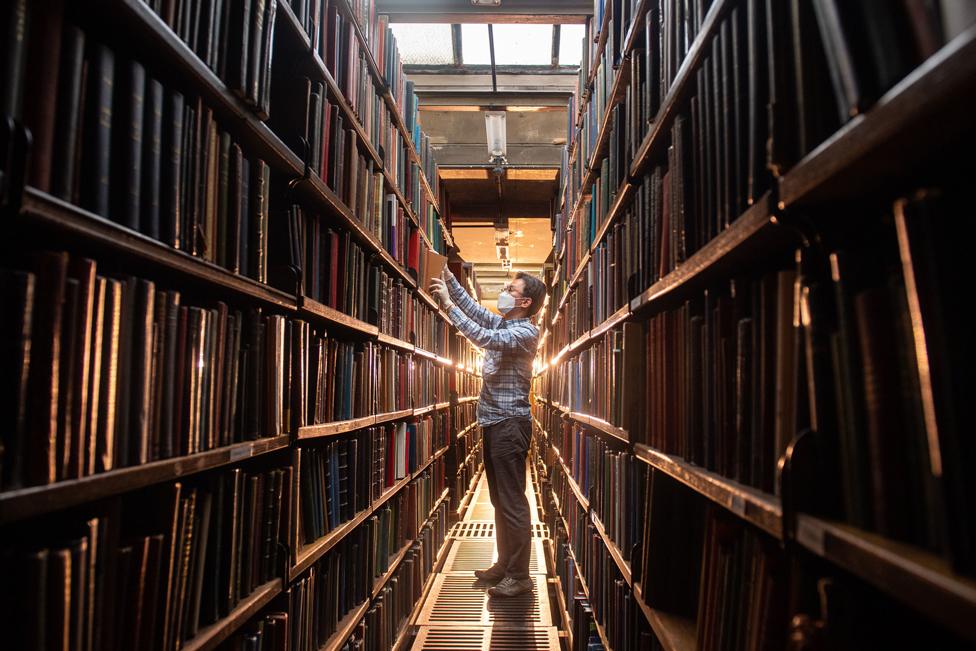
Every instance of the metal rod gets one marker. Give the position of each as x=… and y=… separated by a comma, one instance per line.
x=491, y=48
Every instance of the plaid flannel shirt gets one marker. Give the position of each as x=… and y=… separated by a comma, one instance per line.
x=509, y=346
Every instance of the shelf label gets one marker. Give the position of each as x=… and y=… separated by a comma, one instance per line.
x=738, y=505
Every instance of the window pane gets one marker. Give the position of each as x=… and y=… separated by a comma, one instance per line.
x=474, y=45
x=571, y=45
x=525, y=45
x=423, y=43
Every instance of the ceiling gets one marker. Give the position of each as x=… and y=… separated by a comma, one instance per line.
x=525, y=64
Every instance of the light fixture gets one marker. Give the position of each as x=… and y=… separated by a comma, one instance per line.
x=487, y=3
x=495, y=130
x=507, y=264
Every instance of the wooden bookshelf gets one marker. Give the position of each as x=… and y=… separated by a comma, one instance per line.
x=920, y=579
x=391, y=103
x=674, y=632
x=336, y=427
x=345, y=627
x=894, y=138
x=752, y=505
x=466, y=430
x=130, y=28
x=661, y=124
x=209, y=637
x=312, y=309
x=33, y=501
x=756, y=230
x=601, y=425
x=583, y=502
x=312, y=552
x=600, y=38
x=41, y=209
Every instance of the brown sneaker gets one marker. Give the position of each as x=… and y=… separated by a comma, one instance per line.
x=509, y=587
x=493, y=574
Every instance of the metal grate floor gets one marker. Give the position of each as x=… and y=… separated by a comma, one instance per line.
x=458, y=614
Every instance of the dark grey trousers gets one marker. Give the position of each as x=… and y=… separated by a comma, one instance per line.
x=506, y=446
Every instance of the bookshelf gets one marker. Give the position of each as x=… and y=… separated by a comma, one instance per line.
x=248, y=410
x=781, y=185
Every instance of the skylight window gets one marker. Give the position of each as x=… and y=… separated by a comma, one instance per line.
x=523, y=45
x=571, y=45
x=432, y=44
x=424, y=43
x=474, y=45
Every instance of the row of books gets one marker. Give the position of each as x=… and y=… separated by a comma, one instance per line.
x=702, y=377
x=345, y=577
x=130, y=578
x=612, y=481
x=743, y=588
x=343, y=380
x=267, y=633
x=467, y=443
x=340, y=274
x=884, y=365
x=719, y=136
x=612, y=602
x=110, y=137
x=468, y=467
x=105, y=371
x=464, y=414
x=235, y=40
x=386, y=617
x=344, y=476
x=467, y=385
x=334, y=38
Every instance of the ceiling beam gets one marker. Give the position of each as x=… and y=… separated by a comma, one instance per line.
x=508, y=11
x=477, y=154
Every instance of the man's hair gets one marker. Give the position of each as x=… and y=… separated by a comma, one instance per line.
x=534, y=289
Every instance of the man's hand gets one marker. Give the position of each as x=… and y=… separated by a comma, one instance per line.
x=439, y=290
x=446, y=273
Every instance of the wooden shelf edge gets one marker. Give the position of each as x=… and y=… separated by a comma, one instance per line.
x=756, y=222
x=675, y=633
x=393, y=416
x=40, y=207
x=335, y=428
x=314, y=551
x=583, y=502
x=907, y=573
x=601, y=425
x=750, y=504
x=345, y=627
x=209, y=637
x=311, y=307
x=32, y=501
x=614, y=550
x=937, y=87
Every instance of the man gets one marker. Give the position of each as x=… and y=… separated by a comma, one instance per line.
x=509, y=342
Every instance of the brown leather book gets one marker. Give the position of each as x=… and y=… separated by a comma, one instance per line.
x=169, y=516
x=107, y=419
x=82, y=271
x=58, y=610
x=140, y=369
x=65, y=390
x=50, y=269
x=68, y=119
x=41, y=86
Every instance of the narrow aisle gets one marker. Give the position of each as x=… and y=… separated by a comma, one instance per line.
x=459, y=614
